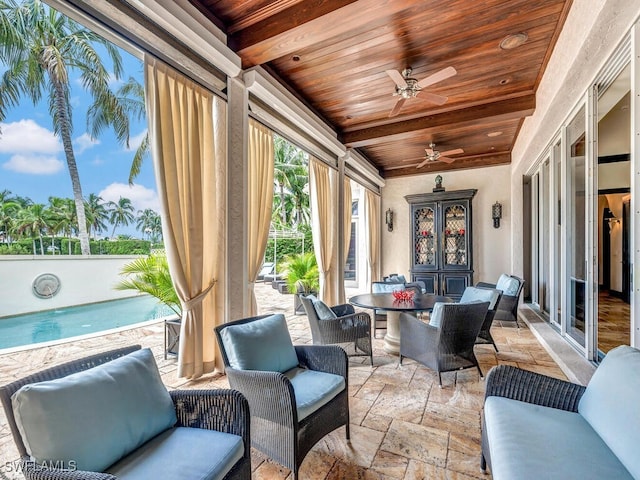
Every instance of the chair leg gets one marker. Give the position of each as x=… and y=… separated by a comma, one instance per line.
x=347, y=431
x=440, y=379
x=483, y=464
x=400, y=361
x=479, y=370
x=371, y=358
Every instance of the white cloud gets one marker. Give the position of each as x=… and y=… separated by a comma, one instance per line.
x=135, y=141
x=26, y=136
x=141, y=197
x=85, y=142
x=34, y=164
x=114, y=82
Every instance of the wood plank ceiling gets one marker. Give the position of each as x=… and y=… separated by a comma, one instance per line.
x=334, y=54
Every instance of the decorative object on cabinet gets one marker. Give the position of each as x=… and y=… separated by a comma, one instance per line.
x=438, y=187
x=441, y=241
x=496, y=214
x=388, y=219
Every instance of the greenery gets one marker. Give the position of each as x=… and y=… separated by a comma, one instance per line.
x=291, y=206
x=39, y=48
x=36, y=229
x=150, y=275
x=301, y=270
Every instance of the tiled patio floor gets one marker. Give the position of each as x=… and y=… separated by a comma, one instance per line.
x=403, y=426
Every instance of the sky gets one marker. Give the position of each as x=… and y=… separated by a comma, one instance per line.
x=33, y=164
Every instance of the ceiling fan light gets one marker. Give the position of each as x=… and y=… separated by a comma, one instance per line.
x=513, y=41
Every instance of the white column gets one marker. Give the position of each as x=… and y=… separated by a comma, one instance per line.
x=340, y=244
x=237, y=168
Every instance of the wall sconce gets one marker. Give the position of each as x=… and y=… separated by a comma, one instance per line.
x=388, y=219
x=496, y=214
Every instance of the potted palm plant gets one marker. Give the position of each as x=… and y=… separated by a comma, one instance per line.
x=150, y=275
x=302, y=276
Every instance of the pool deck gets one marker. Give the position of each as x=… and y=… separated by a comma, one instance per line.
x=403, y=426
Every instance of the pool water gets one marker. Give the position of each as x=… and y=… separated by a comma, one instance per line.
x=69, y=322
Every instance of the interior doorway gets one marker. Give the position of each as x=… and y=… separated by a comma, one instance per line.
x=614, y=177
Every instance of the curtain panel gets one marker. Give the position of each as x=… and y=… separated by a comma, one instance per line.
x=322, y=183
x=372, y=221
x=260, y=201
x=347, y=231
x=187, y=130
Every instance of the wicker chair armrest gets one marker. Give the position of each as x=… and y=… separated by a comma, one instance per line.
x=517, y=384
x=411, y=327
x=34, y=471
x=485, y=285
x=323, y=358
x=344, y=309
x=270, y=394
x=222, y=410
x=354, y=320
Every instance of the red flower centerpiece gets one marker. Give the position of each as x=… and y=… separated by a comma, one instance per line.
x=403, y=295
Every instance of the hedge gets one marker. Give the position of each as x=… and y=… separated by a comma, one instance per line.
x=24, y=246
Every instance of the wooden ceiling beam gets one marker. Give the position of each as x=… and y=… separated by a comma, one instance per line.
x=478, y=161
x=305, y=24
x=497, y=111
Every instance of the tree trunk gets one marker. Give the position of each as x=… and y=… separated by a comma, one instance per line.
x=41, y=245
x=64, y=124
x=283, y=212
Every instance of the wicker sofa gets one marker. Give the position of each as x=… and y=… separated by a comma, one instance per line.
x=109, y=417
x=536, y=426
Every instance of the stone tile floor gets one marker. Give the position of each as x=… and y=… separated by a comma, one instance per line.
x=403, y=425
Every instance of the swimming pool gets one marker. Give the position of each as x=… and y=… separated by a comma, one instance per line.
x=51, y=325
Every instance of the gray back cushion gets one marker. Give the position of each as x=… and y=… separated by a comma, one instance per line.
x=97, y=416
x=611, y=405
x=263, y=344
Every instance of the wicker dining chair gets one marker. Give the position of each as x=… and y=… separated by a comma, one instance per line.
x=222, y=410
x=511, y=288
x=491, y=295
x=380, y=316
x=448, y=346
x=277, y=427
x=342, y=325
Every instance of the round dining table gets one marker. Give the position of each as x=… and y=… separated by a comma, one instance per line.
x=421, y=302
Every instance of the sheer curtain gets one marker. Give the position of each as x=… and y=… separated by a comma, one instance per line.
x=372, y=207
x=347, y=231
x=322, y=181
x=187, y=132
x=260, y=201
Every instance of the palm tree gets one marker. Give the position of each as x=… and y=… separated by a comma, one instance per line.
x=147, y=221
x=120, y=213
x=289, y=160
x=63, y=216
x=32, y=221
x=131, y=104
x=97, y=214
x=39, y=47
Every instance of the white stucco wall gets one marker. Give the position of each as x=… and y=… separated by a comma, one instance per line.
x=82, y=279
x=491, y=246
x=592, y=31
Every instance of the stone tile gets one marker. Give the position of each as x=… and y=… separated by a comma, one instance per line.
x=390, y=465
x=377, y=422
x=465, y=464
x=409, y=440
x=360, y=450
x=401, y=403
x=453, y=420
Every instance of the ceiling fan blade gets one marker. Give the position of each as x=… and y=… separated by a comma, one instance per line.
x=446, y=159
x=397, y=78
x=433, y=98
x=397, y=107
x=452, y=152
x=422, y=163
x=429, y=151
x=437, y=77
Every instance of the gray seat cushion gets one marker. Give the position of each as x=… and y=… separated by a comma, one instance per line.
x=530, y=442
x=182, y=453
x=313, y=389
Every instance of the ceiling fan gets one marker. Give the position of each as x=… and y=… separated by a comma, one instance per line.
x=408, y=87
x=434, y=155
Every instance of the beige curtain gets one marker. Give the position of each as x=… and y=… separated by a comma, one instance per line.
x=347, y=230
x=260, y=201
x=322, y=181
x=187, y=132
x=372, y=208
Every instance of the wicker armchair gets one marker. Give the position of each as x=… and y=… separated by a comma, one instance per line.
x=348, y=327
x=530, y=387
x=491, y=295
x=221, y=410
x=508, y=305
x=449, y=346
x=275, y=428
